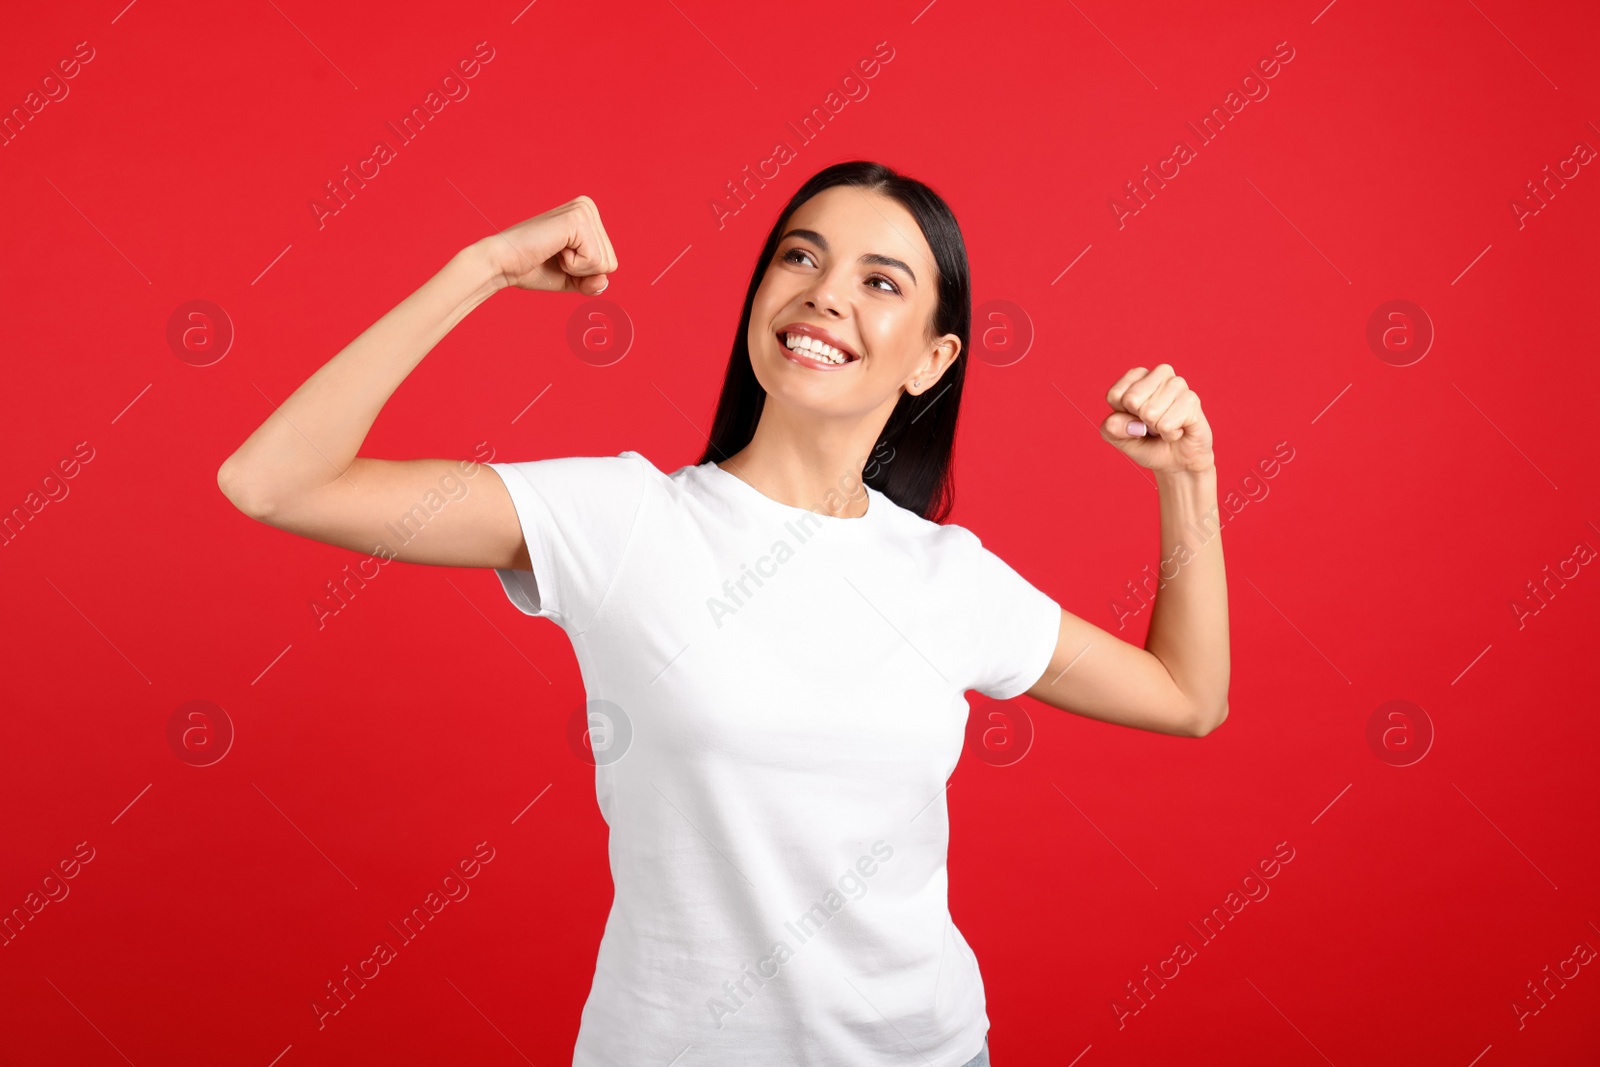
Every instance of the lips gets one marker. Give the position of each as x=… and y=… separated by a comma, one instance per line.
x=817, y=333
x=801, y=357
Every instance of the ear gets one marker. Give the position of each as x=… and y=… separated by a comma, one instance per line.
x=932, y=368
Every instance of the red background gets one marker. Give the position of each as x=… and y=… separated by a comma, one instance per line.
x=372, y=754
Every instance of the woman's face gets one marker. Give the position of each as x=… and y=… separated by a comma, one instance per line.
x=853, y=266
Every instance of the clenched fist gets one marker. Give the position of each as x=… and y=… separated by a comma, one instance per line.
x=564, y=250
x=1156, y=419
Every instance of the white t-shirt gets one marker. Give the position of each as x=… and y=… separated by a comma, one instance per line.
x=780, y=699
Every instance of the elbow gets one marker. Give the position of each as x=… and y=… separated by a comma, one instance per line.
x=242, y=491
x=1203, y=724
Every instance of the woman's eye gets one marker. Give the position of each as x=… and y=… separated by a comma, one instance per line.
x=789, y=257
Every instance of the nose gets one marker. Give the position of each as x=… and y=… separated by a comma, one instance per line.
x=823, y=294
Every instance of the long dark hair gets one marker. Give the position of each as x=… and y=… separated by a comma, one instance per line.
x=910, y=463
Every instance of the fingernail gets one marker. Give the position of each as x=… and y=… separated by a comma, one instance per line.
x=602, y=288
x=1136, y=429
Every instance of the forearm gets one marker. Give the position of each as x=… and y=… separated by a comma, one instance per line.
x=312, y=438
x=1189, y=623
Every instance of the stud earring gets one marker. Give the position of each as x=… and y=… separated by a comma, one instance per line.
x=917, y=382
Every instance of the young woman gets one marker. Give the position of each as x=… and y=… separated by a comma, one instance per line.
x=779, y=638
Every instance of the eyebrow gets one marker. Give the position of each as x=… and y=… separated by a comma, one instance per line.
x=870, y=257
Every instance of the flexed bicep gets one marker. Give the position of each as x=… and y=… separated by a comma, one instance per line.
x=453, y=513
x=1098, y=675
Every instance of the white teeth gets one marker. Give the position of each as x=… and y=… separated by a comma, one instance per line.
x=813, y=347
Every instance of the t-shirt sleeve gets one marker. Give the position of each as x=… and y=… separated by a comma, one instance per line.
x=577, y=515
x=1012, y=625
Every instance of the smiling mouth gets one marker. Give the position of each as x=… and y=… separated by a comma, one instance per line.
x=815, y=349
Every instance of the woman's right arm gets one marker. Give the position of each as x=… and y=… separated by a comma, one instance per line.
x=300, y=472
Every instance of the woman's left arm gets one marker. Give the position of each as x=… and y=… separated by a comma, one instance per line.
x=1178, y=682
x=1189, y=623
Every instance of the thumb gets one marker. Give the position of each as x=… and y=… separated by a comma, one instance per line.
x=587, y=284
x=1121, y=424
